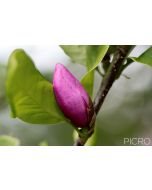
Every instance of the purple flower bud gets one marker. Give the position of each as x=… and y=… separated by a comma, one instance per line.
x=72, y=98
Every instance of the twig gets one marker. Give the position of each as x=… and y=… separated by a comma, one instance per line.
x=79, y=142
x=84, y=134
x=110, y=76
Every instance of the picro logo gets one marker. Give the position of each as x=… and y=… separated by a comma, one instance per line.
x=137, y=141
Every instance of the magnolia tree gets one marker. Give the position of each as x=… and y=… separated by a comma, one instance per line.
x=35, y=100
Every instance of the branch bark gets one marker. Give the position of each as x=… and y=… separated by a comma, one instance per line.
x=120, y=55
x=79, y=142
x=111, y=74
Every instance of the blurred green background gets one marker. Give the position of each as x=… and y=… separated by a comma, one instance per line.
x=126, y=113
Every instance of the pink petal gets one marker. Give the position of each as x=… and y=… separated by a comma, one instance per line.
x=71, y=96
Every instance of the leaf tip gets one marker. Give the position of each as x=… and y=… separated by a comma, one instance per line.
x=17, y=53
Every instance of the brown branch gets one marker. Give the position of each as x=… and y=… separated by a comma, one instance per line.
x=85, y=134
x=80, y=142
x=119, y=57
x=111, y=74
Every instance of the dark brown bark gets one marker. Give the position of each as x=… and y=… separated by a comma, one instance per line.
x=120, y=55
x=118, y=59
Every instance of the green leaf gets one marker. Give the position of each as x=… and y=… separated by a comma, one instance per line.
x=88, y=55
x=6, y=140
x=77, y=53
x=145, y=58
x=88, y=81
x=30, y=95
x=95, y=55
x=43, y=143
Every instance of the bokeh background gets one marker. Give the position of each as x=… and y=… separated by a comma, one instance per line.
x=126, y=113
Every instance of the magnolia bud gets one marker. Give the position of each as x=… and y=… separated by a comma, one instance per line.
x=72, y=98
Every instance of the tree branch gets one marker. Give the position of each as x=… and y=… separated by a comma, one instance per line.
x=79, y=142
x=111, y=74
x=84, y=135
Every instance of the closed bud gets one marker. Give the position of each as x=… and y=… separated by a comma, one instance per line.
x=72, y=98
